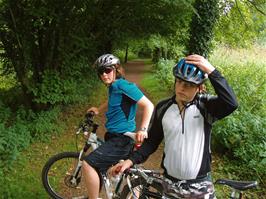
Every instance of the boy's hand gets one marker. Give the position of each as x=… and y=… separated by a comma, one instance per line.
x=120, y=167
x=200, y=62
x=140, y=136
x=93, y=109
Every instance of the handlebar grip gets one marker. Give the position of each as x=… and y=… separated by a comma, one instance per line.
x=90, y=114
x=86, y=133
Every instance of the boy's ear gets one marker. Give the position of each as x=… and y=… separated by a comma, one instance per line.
x=202, y=88
x=117, y=65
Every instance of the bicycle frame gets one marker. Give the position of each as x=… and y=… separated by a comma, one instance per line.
x=94, y=141
x=135, y=181
x=166, y=186
x=65, y=168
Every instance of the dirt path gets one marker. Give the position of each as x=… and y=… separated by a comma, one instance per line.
x=134, y=73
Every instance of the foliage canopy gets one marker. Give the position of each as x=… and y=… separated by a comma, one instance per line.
x=40, y=40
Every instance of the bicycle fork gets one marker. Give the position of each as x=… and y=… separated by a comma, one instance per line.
x=75, y=180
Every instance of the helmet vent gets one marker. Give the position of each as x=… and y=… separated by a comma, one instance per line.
x=189, y=72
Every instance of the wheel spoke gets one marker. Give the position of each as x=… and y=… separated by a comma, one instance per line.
x=58, y=176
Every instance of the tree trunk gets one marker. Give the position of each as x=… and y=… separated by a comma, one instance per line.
x=201, y=27
x=126, y=55
x=156, y=54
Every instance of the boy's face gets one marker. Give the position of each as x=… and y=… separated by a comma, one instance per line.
x=107, y=75
x=185, y=91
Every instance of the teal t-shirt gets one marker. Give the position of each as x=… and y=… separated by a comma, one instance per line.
x=122, y=106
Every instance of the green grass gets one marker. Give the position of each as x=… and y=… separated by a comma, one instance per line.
x=147, y=61
x=226, y=56
x=24, y=180
x=151, y=86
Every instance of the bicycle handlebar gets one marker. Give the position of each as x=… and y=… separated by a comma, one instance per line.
x=89, y=117
x=143, y=172
x=87, y=123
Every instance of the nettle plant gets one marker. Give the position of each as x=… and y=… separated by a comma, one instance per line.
x=242, y=134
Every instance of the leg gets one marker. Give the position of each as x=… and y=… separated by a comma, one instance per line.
x=91, y=179
x=102, y=158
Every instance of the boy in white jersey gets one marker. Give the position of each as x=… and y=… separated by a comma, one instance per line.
x=184, y=121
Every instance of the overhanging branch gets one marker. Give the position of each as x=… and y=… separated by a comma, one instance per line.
x=256, y=7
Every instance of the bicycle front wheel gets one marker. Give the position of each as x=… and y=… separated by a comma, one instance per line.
x=58, y=180
x=140, y=189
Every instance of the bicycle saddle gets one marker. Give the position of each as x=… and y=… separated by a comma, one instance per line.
x=239, y=185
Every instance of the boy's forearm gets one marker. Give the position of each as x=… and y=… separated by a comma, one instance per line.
x=103, y=106
x=226, y=95
x=148, y=107
x=146, y=117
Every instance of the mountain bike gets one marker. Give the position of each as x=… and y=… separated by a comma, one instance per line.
x=145, y=183
x=62, y=174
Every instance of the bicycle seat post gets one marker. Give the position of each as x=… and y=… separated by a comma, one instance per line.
x=233, y=194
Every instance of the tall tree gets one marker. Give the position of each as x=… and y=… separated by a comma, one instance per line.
x=201, y=27
x=116, y=20
x=38, y=37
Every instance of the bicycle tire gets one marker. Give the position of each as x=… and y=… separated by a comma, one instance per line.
x=56, y=176
x=143, y=190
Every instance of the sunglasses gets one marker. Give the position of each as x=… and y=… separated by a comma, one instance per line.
x=105, y=70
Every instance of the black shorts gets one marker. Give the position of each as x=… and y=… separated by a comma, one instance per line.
x=116, y=147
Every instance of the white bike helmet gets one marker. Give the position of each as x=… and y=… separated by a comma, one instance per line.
x=106, y=60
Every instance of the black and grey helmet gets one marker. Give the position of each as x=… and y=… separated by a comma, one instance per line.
x=106, y=60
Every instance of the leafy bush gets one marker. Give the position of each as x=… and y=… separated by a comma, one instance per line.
x=164, y=73
x=7, y=81
x=242, y=134
x=121, y=54
x=18, y=130
x=20, y=126
x=67, y=86
x=12, y=137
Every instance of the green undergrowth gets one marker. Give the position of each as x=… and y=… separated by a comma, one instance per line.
x=23, y=179
x=238, y=140
x=150, y=84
